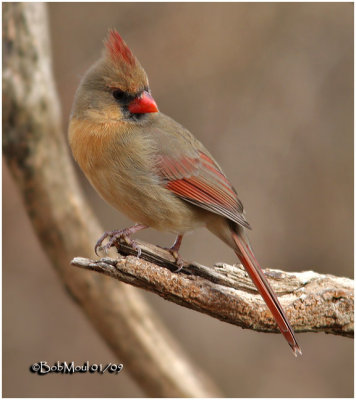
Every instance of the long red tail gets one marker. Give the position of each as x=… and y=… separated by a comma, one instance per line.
x=255, y=272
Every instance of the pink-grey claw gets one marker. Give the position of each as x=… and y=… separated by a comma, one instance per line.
x=115, y=236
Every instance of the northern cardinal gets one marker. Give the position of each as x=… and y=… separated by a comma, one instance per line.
x=152, y=169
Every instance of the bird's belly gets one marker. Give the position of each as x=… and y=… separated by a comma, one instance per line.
x=150, y=203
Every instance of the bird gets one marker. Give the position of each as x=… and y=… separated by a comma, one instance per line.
x=149, y=167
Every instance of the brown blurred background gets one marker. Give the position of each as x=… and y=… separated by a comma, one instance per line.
x=268, y=88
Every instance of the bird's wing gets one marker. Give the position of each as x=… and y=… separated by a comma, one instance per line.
x=191, y=173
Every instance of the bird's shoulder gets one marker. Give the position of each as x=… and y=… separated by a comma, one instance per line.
x=171, y=135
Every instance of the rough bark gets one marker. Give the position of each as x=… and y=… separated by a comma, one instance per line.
x=37, y=155
x=313, y=302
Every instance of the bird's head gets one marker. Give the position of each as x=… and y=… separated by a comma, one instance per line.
x=115, y=88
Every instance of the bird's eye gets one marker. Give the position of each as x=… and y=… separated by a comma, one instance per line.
x=119, y=94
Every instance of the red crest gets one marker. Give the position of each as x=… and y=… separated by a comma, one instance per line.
x=118, y=49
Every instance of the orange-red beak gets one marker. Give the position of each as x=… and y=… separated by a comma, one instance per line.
x=143, y=104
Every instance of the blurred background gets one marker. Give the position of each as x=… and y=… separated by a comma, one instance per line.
x=268, y=88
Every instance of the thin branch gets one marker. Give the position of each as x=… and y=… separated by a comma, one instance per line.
x=313, y=302
x=37, y=156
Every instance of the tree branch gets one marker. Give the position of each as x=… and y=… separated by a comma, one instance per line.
x=38, y=158
x=313, y=302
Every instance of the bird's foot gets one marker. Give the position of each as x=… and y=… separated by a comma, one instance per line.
x=174, y=251
x=114, y=238
x=178, y=258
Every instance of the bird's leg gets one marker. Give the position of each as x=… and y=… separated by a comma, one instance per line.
x=174, y=251
x=115, y=236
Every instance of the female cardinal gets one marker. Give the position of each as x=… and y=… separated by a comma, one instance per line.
x=152, y=169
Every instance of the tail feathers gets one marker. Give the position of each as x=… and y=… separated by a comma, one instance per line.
x=255, y=272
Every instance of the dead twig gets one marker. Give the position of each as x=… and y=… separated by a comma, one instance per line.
x=313, y=302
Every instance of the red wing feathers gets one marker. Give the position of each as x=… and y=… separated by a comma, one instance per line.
x=201, y=182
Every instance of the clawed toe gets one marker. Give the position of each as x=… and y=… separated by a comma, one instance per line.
x=133, y=244
x=115, y=237
x=174, y=251
x=178, y=259
x=100, y=241
x=179, y=262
